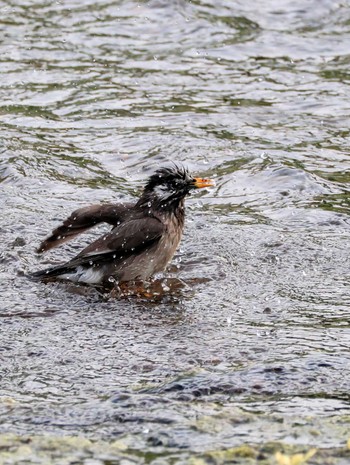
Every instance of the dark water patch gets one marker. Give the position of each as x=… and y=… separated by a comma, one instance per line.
x=271, y=382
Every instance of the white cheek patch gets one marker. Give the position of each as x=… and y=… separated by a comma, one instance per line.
x=163, y=192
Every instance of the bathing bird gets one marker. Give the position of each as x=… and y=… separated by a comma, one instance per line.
x=143, y=238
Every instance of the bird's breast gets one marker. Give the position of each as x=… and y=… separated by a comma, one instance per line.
x=155, y=258
x=168, y=244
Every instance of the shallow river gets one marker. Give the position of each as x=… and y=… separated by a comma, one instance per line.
x=248, y=354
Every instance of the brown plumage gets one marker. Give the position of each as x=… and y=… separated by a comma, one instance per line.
x=142, y=241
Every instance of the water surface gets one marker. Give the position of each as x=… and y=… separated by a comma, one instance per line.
x=253, y=348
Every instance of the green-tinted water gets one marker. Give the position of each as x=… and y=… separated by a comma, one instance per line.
x=253, y=350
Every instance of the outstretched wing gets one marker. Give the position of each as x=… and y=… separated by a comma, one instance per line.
x=131, y=237
x=83, y=219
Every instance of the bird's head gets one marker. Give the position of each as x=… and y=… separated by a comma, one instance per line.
x=167, y=187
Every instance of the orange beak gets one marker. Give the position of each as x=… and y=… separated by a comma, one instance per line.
x=200, y=183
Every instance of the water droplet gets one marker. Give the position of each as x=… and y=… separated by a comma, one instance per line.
x=165, y=287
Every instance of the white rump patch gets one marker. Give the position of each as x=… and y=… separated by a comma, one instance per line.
x=84, y=275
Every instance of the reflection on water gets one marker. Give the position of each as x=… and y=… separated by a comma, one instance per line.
x=252, y=346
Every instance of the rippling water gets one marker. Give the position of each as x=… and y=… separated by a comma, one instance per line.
x=254, y=345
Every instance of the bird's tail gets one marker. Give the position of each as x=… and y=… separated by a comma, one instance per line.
x=52, y=272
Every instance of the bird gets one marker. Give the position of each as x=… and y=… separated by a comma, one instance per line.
x=143, y=238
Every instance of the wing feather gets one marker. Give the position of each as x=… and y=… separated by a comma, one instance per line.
x=131, y=237
x=83, y=219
